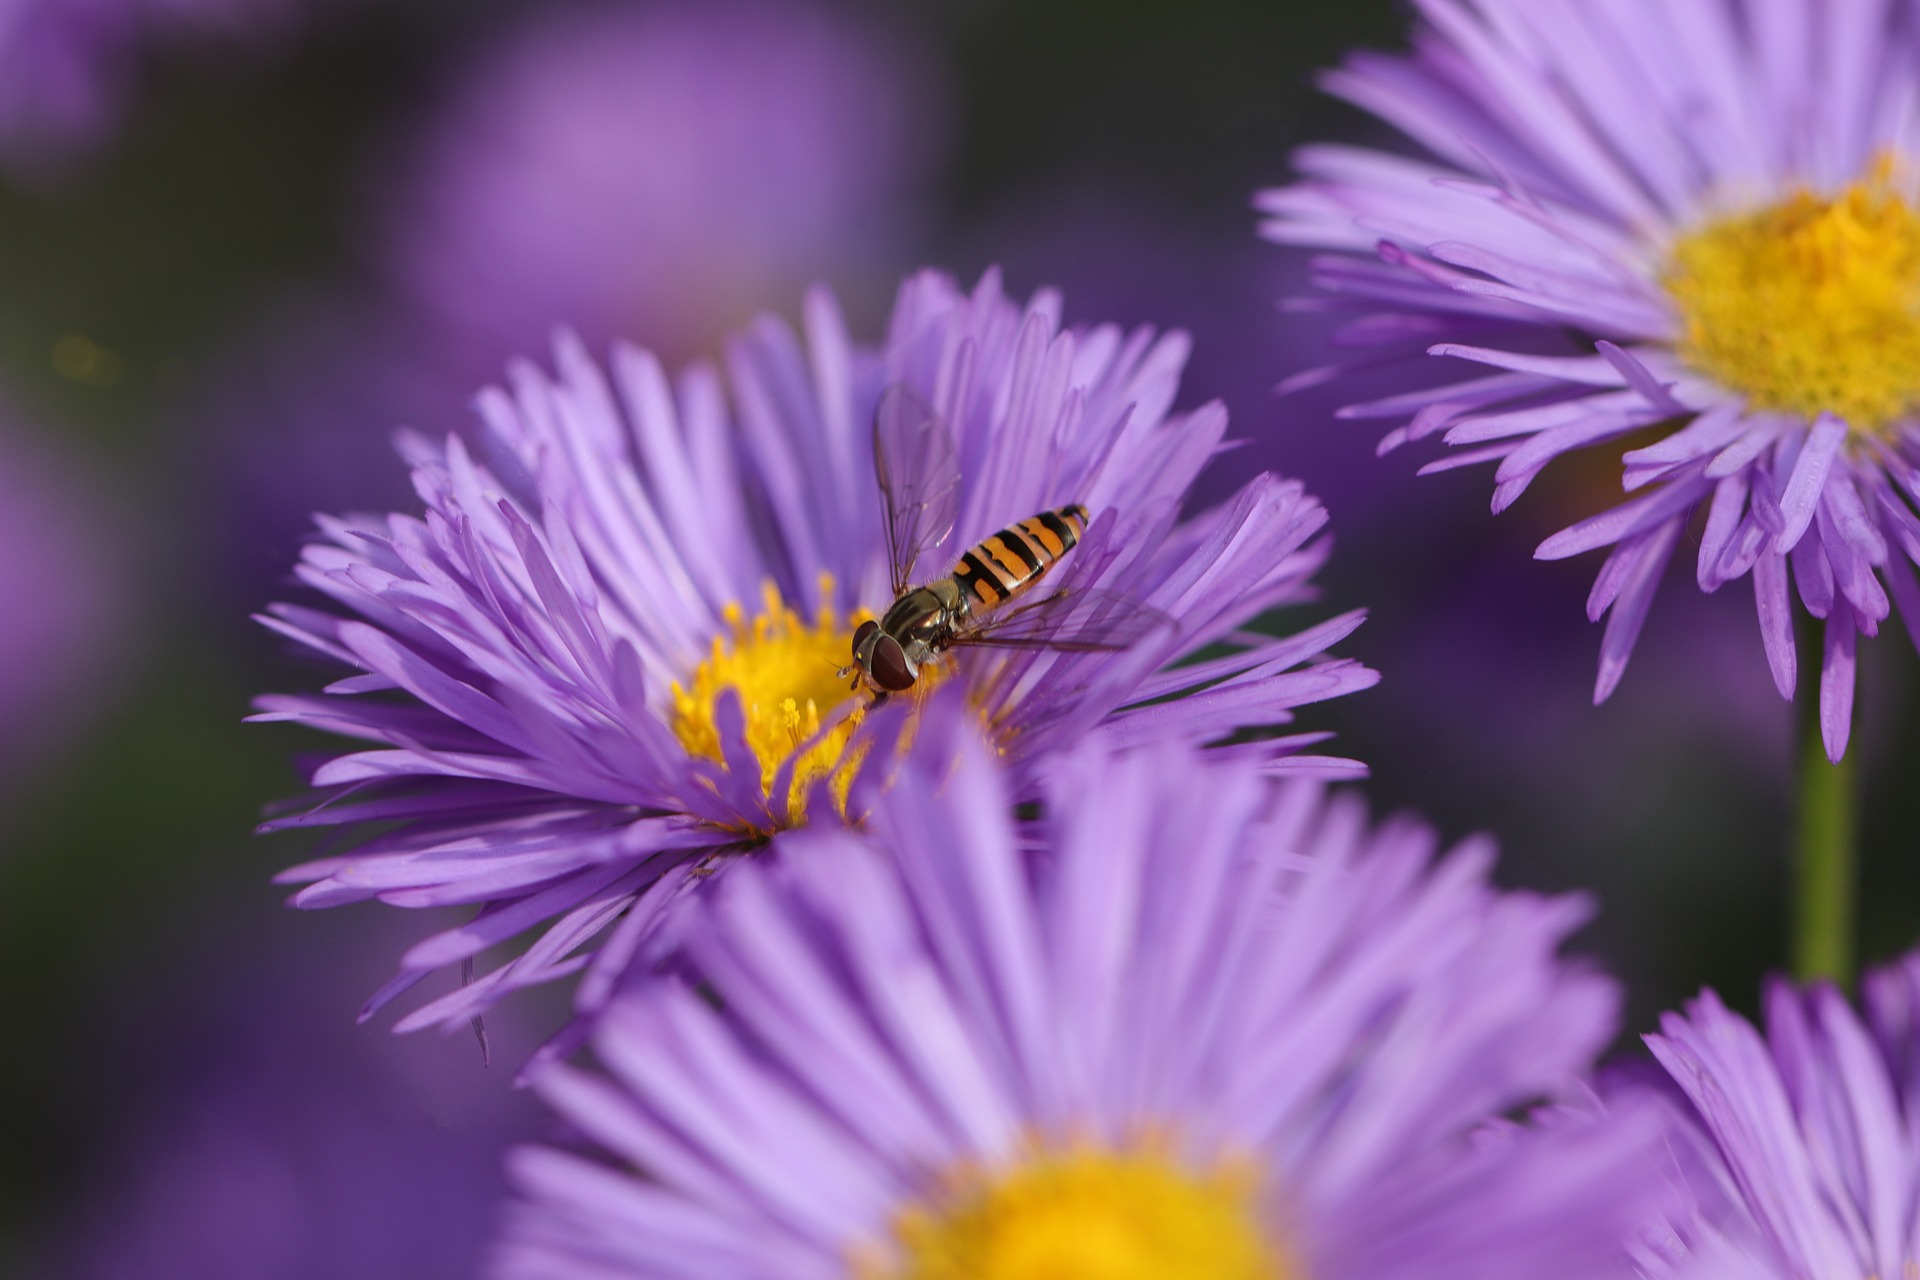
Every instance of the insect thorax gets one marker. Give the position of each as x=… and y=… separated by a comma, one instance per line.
x=924, y=618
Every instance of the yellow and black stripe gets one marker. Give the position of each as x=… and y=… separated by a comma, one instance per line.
x=998, y=568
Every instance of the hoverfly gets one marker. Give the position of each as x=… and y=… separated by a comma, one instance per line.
x=918, y=470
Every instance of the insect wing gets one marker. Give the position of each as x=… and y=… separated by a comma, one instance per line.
x=1086, y=620
x=919, y=473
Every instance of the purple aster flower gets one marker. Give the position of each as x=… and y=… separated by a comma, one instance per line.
x=1189, y=1022
x=1692, y=231
x=67, y=66
x=611, y=650
x=64, y=75
x=1799, y=1149
x=656, y=171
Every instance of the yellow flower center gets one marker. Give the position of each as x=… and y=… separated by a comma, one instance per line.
x=786, y=671
x=1084, y=1213
x=1811, y=305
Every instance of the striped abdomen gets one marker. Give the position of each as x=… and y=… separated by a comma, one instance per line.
x=1010, y=561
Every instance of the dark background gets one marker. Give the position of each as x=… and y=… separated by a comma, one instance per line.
x=181, y=1080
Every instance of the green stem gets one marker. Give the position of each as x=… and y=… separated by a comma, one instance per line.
x=1823, y=838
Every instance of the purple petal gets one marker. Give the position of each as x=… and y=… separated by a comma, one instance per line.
x=1636, y=597
x=1640, y=378
x=1622, y=521
x=1836, y=684
x=1809, y=478
x=1723, y=518
x=1776, y=620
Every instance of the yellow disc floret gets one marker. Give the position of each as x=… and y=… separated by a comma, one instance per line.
x=785, y=670
x=1084, y=1213
x=1810, y=305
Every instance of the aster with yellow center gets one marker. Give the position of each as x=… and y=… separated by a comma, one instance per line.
x=1715, y=256
x=603, y=664
x=1186, y=1025
x=1087, y=1213
x=1811, y=305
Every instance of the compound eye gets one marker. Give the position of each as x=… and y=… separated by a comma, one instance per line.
x=860, y=634
x=889, y=667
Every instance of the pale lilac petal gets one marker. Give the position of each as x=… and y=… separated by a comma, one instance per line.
x=1776, y=620
x=1707, y=434
x=1723, y=518
x=1813, y=575
x=1808, y=478
x=1640, y=581
x=1836, y=684
x=1640, y=378
x=1624, y=521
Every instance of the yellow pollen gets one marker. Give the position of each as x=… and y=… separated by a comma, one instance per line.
x=1810, y=305
x=1084, y=1213
x=786, y=672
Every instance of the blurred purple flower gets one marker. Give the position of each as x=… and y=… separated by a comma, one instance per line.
x=67, y=66
x=1188, y=1018
x=60, y=642
x=586, y=714
x=1800, y=1151
x=1718, y=250
x=249, y=1137
x=63, y=73
x=656, y=172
